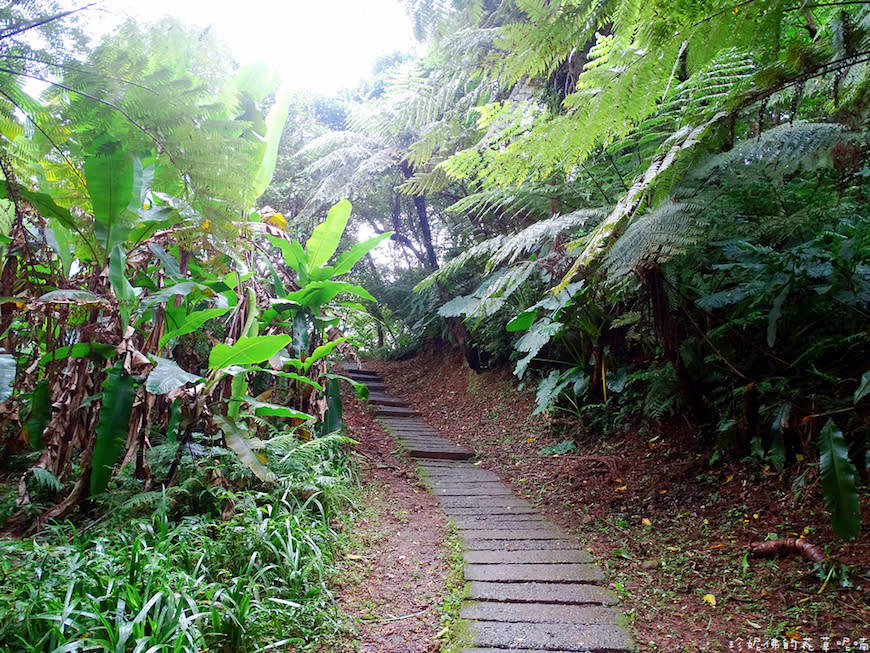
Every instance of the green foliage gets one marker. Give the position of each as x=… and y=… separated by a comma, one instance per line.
x=244, y=448
x=558, y=449
x=119, y=392
x=254, y=579
x=246, y=351
x=839, y=482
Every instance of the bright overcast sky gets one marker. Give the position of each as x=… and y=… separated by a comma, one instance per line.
x=320, y=45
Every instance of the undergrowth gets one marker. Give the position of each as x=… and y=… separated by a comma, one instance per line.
x=217, y=562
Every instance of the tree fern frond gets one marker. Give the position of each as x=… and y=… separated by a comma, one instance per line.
x=489, y=297
x=424, y=183
x=631, y=201
x=541, y=234
x=507, y=204
x=777, y=151
x=655, y=237
x=478, y=251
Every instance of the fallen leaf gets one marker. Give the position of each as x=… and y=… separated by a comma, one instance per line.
x=709, y=598
x=352, y=556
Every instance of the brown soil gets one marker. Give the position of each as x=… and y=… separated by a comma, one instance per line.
x=393, y=573
x=672, y=531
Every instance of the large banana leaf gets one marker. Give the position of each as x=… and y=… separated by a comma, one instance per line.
x=326, y=236
x=274, y=128
x=119, y=391
x=863, y=387
x=167, y=376
x=347, y=260
x=246, y=351
x=7, y=375
x=191, y=323
x=40, y=413
x=332, y=419
x=838, y=482
x=111, y=180
x=318, y=293
x=121, y=286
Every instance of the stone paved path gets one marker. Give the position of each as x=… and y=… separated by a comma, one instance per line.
x=531, y=588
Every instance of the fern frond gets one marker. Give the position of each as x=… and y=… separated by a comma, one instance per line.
x=424, y=183
x=655, y=237
x=491, y=295
x=506, y=204
x=478, y=251
x=632, y=200
x=541, y=234
x=777, y=151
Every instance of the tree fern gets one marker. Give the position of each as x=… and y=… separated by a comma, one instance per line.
x=628, y=205
x=653, y=238
x=488, y=298
x=509, y=249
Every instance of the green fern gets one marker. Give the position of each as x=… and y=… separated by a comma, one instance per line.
x=654, y=238
x=46, y=479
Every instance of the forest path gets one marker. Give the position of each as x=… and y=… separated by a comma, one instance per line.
x=531, y=587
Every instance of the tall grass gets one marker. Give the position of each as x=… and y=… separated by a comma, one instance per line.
x=244, y=573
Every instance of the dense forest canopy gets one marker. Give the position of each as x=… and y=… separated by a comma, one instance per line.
x=647, y=209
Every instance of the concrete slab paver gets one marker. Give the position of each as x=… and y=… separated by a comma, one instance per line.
x=568, y=572
x=591, y=638
x=531, y=556
x=537, y=592
x=544, y=613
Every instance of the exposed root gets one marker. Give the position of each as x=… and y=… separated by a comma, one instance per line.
x=809, y=551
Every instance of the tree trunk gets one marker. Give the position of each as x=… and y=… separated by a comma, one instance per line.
x=422, y=219
x=666, y=329
x=455, y=326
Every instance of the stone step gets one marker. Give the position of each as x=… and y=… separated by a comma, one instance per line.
x=497, y=522
x=472, y=475
x=380, y=399
x=529, y=556
x=363, y=376
x=394, y=411
x=539, y=613
x=532, y=532
x=439, y=454
x=483, y=503
x=518, y=573
x=519, y=545
x=492, y=511
x=538, y=592
x=473, y=489
x=591, y=638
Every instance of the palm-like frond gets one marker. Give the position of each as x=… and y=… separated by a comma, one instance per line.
x=653, y=238
x=503, y=250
